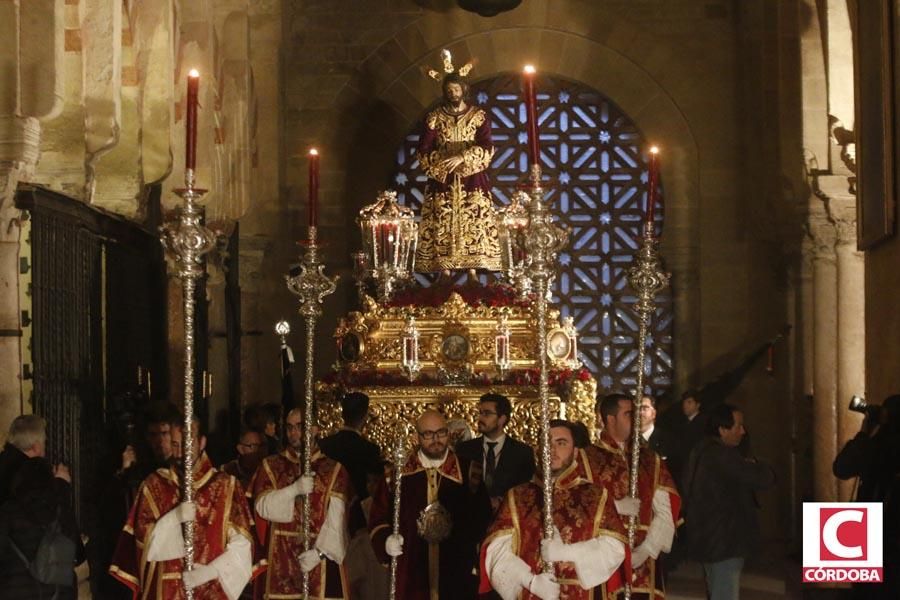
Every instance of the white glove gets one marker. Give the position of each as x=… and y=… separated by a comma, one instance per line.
x=556, y=550
x=628, y=507
x=309, y=560
x=639, y=556
x=198, y=576
x=393, y=545
x=304, y=485
x=544, y=586
x=186, y=511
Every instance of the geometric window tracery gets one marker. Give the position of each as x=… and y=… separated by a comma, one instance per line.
x=595, y=169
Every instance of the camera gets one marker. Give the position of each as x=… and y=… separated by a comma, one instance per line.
x=859, y=404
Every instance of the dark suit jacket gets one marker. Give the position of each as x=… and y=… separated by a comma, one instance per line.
x=358, y=455
x=515, y=465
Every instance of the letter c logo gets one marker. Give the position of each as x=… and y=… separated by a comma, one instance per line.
x=830, y=529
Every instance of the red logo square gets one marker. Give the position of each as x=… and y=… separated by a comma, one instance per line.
x=844, y=534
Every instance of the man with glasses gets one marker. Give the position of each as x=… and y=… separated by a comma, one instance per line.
x=506, y=462
x=251, y=449
x=278, y=489
x=444, y=508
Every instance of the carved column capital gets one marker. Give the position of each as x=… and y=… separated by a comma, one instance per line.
x=20, y=139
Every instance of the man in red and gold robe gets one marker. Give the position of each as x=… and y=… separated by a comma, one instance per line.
x=278, y=489
x=149, y=555
x=658, y=503
x=445, y=493
x=589, y=542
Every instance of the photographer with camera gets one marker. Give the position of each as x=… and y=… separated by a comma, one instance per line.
x=874, y=457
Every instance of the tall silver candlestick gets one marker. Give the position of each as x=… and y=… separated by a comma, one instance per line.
x=543, y=239
x=647, y=279
x=188, y=240
x=310, y=286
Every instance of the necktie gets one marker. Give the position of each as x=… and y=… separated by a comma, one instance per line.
x=490, y=463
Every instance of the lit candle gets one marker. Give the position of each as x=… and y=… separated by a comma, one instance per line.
x=190, y=150
x=652, y=187
x=534, y=146
x=313, y=187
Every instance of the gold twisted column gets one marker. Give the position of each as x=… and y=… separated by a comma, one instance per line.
x=399, y=456
x=647, y=279
x=188, y=241
x=543, y=239
x=310, y=286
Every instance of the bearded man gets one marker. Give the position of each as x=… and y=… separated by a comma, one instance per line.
x=588, y=545
x=658, y=503
x=458, y=228
x=444, y=508
x=148, y=558
x=278, y=489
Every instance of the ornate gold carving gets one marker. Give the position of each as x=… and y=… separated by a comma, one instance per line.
x=458, y=230
x=390, y=405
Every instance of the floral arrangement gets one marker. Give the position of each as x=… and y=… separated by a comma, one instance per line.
x=474, y=294
x=558, y=378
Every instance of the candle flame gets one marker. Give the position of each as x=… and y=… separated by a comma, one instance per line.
x=313, y=152
x=530, y=70
x=194, y=73
x=654, y=150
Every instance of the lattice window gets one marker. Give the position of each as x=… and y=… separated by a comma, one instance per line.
x=594, y=166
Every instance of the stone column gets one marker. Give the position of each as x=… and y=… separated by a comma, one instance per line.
x=851, y=323
x=824, y=353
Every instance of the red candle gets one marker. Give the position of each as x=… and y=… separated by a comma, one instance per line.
x=313, y=187
x=190, y=151
x=652, y=187
x=534, y=145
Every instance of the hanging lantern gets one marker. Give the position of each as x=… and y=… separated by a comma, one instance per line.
x=511, y=221
x=410, y=343
x=488, y=8
x=501, y=347
x=390, y=235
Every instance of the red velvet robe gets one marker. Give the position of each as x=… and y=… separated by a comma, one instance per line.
x=610, y=468
x=220, y=505
x=284, y=541
x=427, y=571
x=582, y=510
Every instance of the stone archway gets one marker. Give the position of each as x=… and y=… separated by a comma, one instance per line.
x=391, y=85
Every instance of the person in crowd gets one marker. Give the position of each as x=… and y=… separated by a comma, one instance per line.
x=251, y=449
x=588, y=545
x=719, y=501
x=444, y=509
x=277, y=490
x=150, y=552
x=873, y=456
x=505, y=461
x=265, y=418
x=657, y=505
x=362, y=460
x=652, y=434
x=150, y=450
x=39, y=498
x=26, y=439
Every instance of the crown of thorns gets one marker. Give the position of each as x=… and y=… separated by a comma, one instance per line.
x=448, y=68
